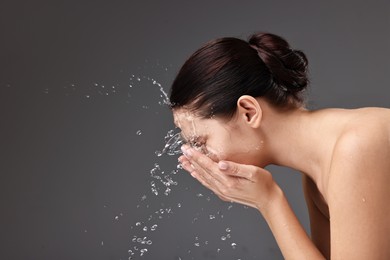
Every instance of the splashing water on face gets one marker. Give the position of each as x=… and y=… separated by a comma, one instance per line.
x=162, y=181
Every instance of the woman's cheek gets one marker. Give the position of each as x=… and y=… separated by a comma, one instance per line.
x=217, y=153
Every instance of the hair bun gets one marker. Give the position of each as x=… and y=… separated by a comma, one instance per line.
x=287, y=66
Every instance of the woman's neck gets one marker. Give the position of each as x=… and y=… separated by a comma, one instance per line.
x=300, y=139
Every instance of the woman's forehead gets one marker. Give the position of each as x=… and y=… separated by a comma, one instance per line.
x=190, y=124
x=183, y=117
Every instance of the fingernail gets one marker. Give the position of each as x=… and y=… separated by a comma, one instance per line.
x=223, y=165
x=189, y=152
x=183, y=149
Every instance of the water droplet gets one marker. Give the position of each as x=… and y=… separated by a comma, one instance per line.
x=178, y=205
x=138, y=224
x=87, y=96
x=197, y=244
x=228, y=230
x=212, y=216
x=102, y=243
x=143, y=251
x=116, y=217
x=145, y=228
x=153, y=228
x=223, y=238
x=139, y=132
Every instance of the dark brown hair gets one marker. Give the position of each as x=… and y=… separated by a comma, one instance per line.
x=214, y=77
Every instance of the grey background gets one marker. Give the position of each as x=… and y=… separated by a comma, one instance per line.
x=73, y=171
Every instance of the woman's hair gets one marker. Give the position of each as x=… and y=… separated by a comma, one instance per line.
x=214, y=77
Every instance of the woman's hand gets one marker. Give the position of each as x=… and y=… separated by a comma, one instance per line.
x=245, y=184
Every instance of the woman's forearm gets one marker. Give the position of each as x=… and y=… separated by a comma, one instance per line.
x=292, y=239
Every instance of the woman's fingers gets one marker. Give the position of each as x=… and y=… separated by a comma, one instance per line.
x=186, y=164
x=248, y=172
x=204, y=179
x=204, y=165
x=197, y=157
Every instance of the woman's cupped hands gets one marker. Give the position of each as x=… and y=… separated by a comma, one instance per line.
x=245, y=184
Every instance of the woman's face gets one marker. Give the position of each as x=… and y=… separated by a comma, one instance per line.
x=220, y=139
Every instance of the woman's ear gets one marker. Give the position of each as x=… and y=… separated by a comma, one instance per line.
x=249, y=110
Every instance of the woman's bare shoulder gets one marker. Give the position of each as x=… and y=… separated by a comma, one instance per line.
x=362, y=126
x=362, y=151
x=358, y=187
x=365, y=136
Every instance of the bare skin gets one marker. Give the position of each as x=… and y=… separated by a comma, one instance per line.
x=344, y=157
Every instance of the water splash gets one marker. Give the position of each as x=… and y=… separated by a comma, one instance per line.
x=163, y=181
x=173, y=143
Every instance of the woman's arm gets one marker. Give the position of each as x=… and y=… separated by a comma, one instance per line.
x=319, y=217
x=288, y=231
x=255, y=187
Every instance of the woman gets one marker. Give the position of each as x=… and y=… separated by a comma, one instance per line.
x=240, y=107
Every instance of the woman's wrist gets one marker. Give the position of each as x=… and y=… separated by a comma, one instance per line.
x=267, y=206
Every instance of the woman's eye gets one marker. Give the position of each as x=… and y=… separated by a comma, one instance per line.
x=197, y=145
